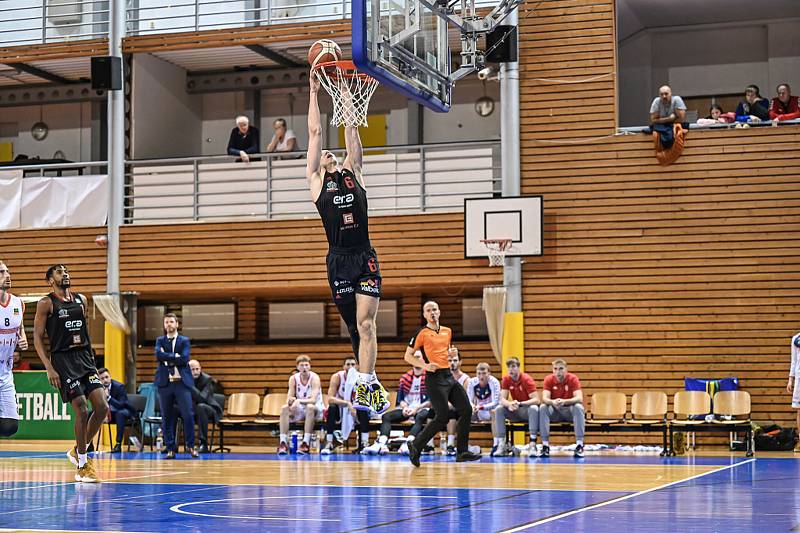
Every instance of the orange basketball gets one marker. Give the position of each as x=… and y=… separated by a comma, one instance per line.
x=324, y=51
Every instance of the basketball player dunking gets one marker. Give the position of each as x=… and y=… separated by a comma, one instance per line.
x=70, y=365
x=353, y=271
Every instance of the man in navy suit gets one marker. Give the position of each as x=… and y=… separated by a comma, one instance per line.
x=120, y=410
x=174, y=382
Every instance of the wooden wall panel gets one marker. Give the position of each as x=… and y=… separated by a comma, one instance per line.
x=651, y=273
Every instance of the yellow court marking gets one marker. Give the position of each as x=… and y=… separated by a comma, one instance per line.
x=524, y=475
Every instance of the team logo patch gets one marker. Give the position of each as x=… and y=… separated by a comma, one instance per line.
x=370, y=286
x=331, y=186
x=63, y=313
x=347, y=218
x=16, y=312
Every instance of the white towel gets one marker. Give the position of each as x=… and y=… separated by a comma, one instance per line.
x=348, y=421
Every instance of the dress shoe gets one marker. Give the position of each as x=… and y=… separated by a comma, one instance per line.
x=463, y=457
x=170, y=454
x=193, y=452
x=117, y=448
x=203, y=449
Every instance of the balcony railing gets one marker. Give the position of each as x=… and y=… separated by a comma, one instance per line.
x=399, y=180
x=27, y=22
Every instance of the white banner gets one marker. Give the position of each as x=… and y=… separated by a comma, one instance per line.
x=11, y=194
x=48, y=202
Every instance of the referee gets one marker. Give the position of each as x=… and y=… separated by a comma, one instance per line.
x=433, y=341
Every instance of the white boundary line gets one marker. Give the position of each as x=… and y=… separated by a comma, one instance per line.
x=28, y=487
x=617, y=500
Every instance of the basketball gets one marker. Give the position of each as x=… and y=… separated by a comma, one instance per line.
x=324, y=51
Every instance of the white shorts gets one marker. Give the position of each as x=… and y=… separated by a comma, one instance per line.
x=482, y=416
x=8, y=401
x=796, y=393
x=299, y=413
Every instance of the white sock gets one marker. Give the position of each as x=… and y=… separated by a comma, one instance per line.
x=410, y=438
x=365, y=438
x=82, y=459
x=451, y=440
x=329, y=438
x=366, y=378
x=579, y=443
x=383, y=439
x=283, y=438
x=496, y=441
x=545, y=443
x=307, y=438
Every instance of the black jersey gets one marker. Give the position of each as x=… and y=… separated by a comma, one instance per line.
x=342, y=205
x=66, y=325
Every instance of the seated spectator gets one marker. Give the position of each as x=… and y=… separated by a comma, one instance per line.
x=484, y=394
x=244, y=140
x=19, y=363
x=715, y=116
x=206, y=407
x=283, y=140
x=562, y=401
x=519, y=402
x=304, y=403
x=784, y=106
x=667, y=109
x=337, y=404
x=412, y=402
x=119, y=410
x=754, y=108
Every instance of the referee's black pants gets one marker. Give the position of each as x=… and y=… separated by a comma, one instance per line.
x=443, y=389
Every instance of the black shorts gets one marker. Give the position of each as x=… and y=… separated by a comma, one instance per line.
x=351, y=273
x=71, y=388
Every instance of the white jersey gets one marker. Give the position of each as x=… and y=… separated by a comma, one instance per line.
x=794, y=369
x=342, y=384
x=463, y=380
x=488, y=397
x=302, y=392
x=413, y=397
x=10, y=321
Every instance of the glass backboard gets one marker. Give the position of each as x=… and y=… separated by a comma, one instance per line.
x=403, y=44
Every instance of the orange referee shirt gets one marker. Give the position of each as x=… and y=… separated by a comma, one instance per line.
x=433, y=344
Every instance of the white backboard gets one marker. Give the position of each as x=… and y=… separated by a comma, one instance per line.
x=519, y=218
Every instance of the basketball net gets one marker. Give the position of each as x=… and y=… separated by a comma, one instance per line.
x=496, y=250
x=350, y=91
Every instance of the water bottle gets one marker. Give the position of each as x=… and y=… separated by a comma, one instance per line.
x=159, y=440
x=314, y=440
x=293, y=443
x=443, y=443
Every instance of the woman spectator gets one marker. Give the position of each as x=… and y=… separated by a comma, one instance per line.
x=753, y=108
x=715, y=116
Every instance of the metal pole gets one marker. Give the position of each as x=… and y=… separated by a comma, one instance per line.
x=509, y=149
x=116, y=148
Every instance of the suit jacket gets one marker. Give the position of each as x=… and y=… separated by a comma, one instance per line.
x=203, y=392
x=118, y=397
x=167, y=360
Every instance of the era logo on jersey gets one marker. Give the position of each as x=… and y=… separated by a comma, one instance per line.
x=331, y=186
x=343, y=199
x=348, y=218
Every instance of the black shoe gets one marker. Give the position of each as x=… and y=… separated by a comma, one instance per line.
x=117, y=448
x=203, y=449
x=413, y=454
x=451, y=450
x=89, y=448
x=467, y=456
x=579, y=450
x=170, y=454
x=545, y=451
x=193, y=452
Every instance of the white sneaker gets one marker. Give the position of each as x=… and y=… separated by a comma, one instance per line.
x=384, y=450
x=373, y=449
x=327, y=450
x=403, y=449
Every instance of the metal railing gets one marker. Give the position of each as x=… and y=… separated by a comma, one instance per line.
x=399, y=180
x=27, y=22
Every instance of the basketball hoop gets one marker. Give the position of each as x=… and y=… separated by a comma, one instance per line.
x=350, y=91
x=496, y=249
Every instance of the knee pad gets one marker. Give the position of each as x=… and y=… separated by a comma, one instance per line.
x=8, y=427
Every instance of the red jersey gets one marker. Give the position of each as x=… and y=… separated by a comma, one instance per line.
x=563, y=389
x=789, y=111
x=521, y=389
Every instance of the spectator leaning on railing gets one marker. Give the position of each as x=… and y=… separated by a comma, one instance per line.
x=667, y=108
x=283, y=140
x=784, y=106
x=244, y=139
x=754, y=108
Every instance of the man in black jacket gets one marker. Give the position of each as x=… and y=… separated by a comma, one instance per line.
x=244, y=140
x=121, y=411
x=205, y=407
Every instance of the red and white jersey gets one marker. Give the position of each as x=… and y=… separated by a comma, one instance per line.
x=10, y=321
x=303, y=391
x=463, y=380
x=340, y=392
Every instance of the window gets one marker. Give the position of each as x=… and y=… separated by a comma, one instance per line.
x=153, y=321
x=707, y=52
x=385, y=322
x=473, y=317
x=209, y=321
x=305, y=320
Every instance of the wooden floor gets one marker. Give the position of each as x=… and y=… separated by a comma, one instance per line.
x=263, y=492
